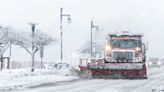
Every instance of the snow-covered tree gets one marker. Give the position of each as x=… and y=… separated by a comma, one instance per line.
x=24, y=39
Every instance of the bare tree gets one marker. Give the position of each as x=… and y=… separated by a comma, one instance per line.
x=97, y=45
x=97, y=49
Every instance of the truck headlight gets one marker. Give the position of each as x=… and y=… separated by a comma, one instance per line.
x=108, y=48
x=150, y=63
x=158, y=63
x=138, y=49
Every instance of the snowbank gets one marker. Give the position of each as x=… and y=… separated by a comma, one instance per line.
x=23, y=78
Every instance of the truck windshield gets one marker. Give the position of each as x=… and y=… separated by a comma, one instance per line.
x=126, y=43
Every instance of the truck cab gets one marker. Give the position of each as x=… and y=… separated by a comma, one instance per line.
x=125, y=56
x=125, y=48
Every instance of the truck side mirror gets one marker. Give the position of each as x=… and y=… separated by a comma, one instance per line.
x=146, y=47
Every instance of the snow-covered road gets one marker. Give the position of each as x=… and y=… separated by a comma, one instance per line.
x=155, y=77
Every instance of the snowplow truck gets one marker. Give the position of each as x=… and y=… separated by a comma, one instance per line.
x=125, y=57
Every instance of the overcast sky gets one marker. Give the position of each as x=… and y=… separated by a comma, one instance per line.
x=144, y=16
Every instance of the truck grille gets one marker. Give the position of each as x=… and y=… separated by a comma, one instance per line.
x=123, y=56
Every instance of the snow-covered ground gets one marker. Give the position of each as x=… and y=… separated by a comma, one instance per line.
x=55, y=81
x=22, y=78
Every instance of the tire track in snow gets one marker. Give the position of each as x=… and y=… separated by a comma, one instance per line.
x=95, y=88
x=85, y=86
x=154, y=78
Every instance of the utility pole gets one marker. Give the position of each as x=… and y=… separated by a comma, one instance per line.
x=33, y=26
x=92, y=26
x=61, y=29
x=41, y=52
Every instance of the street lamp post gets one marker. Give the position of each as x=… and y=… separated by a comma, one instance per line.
x=41, y=56
x=61, y=29
x=92, y=26
x=33, y=26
